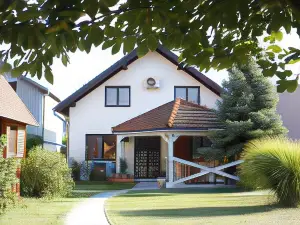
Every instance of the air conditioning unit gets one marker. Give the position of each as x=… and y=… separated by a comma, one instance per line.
x=151, y=83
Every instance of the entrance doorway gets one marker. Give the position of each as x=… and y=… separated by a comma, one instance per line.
x=147, y=157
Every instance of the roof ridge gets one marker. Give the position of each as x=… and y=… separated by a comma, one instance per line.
x=174, y=111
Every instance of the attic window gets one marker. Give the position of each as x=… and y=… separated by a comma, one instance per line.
x=117, y=96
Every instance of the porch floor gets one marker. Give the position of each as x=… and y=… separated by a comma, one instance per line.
x=145, y=186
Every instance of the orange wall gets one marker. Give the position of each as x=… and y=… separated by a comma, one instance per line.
x=183, y=148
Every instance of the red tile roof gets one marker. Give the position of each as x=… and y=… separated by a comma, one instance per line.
x=178, y=114
x=12, y=107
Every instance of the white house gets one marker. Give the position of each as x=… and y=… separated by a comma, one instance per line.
x=149, y=111
x=40, y=101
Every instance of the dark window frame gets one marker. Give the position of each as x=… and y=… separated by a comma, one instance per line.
x=99, y=159
x=117, y=87
x=187, y=93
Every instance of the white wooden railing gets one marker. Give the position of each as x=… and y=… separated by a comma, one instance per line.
x=182, y=173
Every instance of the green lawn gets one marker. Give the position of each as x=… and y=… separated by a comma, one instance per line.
x=31, y=211
x=198, y=206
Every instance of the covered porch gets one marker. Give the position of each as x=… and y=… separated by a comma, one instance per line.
x=163, y=142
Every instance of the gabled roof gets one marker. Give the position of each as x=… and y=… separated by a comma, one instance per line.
x=64, y=106
x=40, y=87
x=175, y=115
x=12, y=107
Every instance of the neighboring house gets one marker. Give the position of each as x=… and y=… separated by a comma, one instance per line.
x=149, y=111
x=14, y=117
x=288, y=107
x=40, y=101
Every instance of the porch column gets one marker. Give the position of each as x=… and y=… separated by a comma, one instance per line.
x=170, y=160
x=119, y=152
x=170, y=167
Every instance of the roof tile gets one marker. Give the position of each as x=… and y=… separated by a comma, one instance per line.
x=12, y=107
x=177, y=114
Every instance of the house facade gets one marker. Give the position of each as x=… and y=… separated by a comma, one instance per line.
x=125, y=113
x=40, y=101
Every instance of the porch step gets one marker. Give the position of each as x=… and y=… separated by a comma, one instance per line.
x=146, y=186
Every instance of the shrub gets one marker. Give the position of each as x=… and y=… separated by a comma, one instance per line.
x=8, y=168
x=45, y=174
x=274, y=164
x=123, y=166
x=33, y=141
x=76, y=170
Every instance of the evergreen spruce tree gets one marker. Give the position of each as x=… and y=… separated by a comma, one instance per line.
x=247, y=110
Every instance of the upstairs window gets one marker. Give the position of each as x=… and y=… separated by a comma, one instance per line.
x=117, y=96
x=191, y=94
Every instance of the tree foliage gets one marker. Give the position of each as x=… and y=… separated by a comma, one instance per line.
x=247, y=110
x=208, y=34
x=8, y=178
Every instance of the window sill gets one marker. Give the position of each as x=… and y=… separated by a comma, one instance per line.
x=117, y=105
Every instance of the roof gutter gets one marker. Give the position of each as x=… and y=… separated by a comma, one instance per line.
x=165, y=130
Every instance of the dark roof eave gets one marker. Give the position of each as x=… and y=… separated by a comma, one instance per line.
x=166, y=129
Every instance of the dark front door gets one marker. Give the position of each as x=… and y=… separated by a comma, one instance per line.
x=147, y=157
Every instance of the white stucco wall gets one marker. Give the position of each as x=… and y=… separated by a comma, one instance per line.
x=53, y=126
x=90, y=116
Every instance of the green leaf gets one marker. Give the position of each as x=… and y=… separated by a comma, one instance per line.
x=142, y=49
x=292, y=85
x=110, y=3
x=96, y=35
x=283, y=74
x=129, y=44
x=16, y=72
x=107, y=44
x=278, y=35
x=65, y=59
x=5, y=67
x=293, y=61
x=274, y=48
x=270, y=72
x=49, y=75
x=152, y=42
x=116, y=48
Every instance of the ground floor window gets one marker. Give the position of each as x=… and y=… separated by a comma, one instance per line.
x=16, y=137
x=100, y=147
x=200, y=142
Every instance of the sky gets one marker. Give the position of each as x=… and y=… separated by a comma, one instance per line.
x=83, y=67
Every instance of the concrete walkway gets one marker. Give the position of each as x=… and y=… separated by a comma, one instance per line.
x=145, y=186
x=91, y=211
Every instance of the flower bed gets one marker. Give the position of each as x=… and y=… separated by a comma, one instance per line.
x=116, y=177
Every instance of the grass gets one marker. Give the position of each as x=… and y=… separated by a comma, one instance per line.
x=32, y=211
x=198, y=206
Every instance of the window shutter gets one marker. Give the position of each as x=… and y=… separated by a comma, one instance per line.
x=21, y=142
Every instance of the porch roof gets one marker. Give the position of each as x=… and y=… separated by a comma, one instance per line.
x=175, y=115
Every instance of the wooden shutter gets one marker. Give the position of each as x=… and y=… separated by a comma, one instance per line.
x=21, y=142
